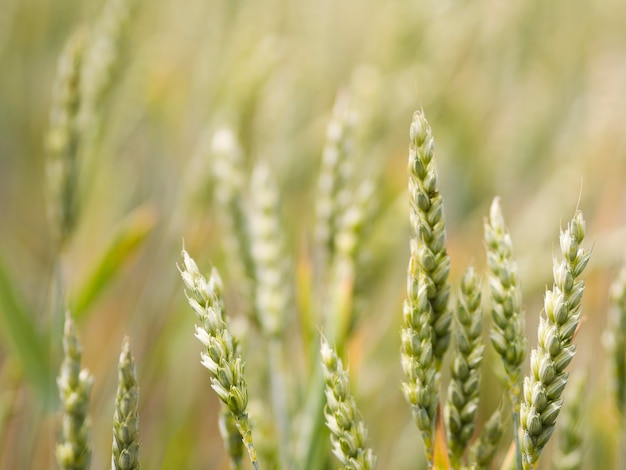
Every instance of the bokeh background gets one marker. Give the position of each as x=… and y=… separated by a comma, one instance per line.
x=527, y=100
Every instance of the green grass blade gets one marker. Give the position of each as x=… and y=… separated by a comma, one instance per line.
x=126, y=243
x=19, y=333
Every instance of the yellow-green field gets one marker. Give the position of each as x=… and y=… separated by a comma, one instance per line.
x=526, y=101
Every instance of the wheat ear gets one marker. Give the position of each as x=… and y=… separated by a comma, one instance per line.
x=426, y=319
x=220, y=356
x=73, y=452
x=507, y=331
x=63, y=141
x=348, y=431
x=272, y=293
x=125, y=454
x=465, y=370
x=427, y=220
x=334, y=174
x=547, y=380
x=483, y=450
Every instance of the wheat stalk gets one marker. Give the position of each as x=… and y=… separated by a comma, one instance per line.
x=617, y=339
x=231, y=437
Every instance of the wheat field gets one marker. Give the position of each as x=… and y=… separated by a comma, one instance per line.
x=196, y=119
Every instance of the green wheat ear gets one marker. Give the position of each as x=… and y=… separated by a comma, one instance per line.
x=427, y=221
x=221, y=356
x=507, y=331
x=425, y=334
x=73, y=452
x=463, y=391
x=125, y=455
x=482, y=451
x=555, y=350
x=348, y=431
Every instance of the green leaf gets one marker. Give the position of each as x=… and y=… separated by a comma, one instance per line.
x=129, y=239
x=24, y=341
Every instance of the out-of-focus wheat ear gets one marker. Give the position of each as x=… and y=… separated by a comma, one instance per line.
x=463, y=390
x=427, y=221
x=353, y=221
x=348, y=431
x=126, y=448
x=351, y=225
x=616, y=344
x=220, y=355
x=333, y=176
x=73, y=452
x=569, y=455
x=102, y=58
x=63, y=142
x=228, y=169
x=562, y=310
x=268, y=253
x=616, y=336
x=507, y=330
x=272, y=294
x=482, y=451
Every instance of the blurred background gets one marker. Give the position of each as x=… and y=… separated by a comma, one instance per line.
x=527, y=101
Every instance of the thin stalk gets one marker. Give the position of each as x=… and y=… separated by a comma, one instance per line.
x=622, y=457
x=279, y=398
x=516, y=426
x=312, y=438
x=243, y=425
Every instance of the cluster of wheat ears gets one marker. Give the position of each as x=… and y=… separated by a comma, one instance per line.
x=437, y=319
